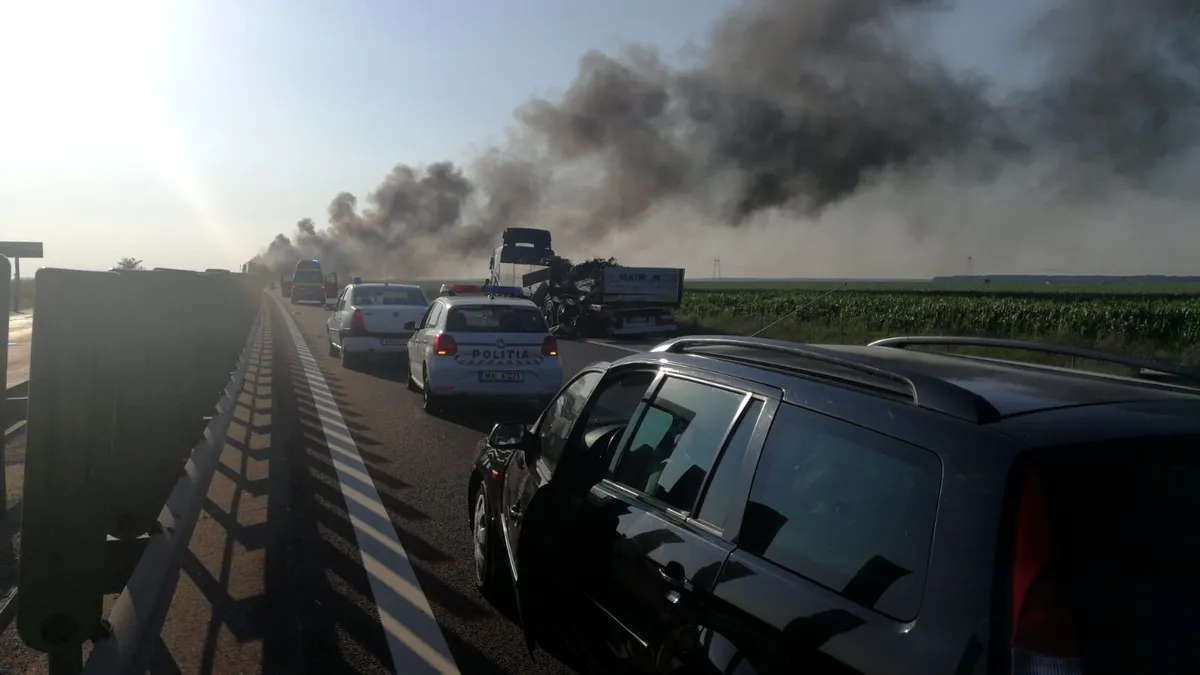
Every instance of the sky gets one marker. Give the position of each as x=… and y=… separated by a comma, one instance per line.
x=187, y=133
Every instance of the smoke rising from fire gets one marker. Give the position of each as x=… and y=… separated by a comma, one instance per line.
x=801, y=110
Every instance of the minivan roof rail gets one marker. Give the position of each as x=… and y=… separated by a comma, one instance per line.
x=1143, y=368
x=927, y=392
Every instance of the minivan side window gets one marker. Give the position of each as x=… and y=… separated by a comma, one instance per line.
x=845, y=507
x=714, y=509
x=676, y=441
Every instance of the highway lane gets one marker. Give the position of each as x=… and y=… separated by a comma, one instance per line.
x=20, y=333
x=418, y=464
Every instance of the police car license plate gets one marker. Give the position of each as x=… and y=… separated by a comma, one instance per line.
x=391, y=343
x=501, y=376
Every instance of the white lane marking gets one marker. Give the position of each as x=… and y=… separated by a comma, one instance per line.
x=623, y=348
x=414, y=638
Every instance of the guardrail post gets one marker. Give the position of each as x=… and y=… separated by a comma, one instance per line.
x=68, y=442
x=5, y=283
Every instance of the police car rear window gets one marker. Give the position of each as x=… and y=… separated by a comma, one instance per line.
x=495, y=320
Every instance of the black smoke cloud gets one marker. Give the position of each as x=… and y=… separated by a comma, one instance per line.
x=793, y=105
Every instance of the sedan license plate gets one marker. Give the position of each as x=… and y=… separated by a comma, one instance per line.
x=391, y=343
x=501, y=376
x=638, y=319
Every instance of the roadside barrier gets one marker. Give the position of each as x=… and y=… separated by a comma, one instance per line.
x=133, y=379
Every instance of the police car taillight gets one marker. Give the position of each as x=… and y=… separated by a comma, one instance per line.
x=549, y=346
x=1043, y=634
x=356, y=321
x=444, y=345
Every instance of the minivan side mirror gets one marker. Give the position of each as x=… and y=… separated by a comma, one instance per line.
x=508, y=436
x=411, y=325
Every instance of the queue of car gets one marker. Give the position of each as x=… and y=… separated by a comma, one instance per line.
x=471, y=343
x=739, y=505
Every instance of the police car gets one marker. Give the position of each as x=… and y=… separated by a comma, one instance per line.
x=483, y=343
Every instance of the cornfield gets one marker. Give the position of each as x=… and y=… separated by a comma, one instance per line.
x=1171, y=322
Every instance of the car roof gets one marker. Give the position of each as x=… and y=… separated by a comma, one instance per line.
x=499, y=300
x=380, y=284
x=983, y=391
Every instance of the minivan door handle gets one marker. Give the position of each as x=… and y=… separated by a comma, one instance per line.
x=672, y=575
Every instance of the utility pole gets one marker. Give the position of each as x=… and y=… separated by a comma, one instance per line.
x=969, y=275
x=717, y=269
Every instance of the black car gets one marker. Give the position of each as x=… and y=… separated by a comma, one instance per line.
x=738, y=505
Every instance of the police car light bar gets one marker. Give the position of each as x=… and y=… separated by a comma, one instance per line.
x=473, y=289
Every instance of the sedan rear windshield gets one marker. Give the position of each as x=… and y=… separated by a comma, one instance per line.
x=495, y=320
x=1126, y=524
x=308, y=276
x=370, y=297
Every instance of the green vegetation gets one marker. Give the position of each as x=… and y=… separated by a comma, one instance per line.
x=1159, y=321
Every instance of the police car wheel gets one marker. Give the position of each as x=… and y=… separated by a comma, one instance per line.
x=430, y=401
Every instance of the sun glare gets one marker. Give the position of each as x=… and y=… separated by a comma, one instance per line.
x=83, y=75
x=84, y=82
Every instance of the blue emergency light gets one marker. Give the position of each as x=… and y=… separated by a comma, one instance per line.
x=514, y=291
x=357, y=280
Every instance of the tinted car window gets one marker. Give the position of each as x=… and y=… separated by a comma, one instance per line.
x=676, y=441
x=715, y=507
x=1125, y=520
x=847, y=508
x=618, y=400
x=308, y=276
x=369, y=297
x=496, y=320
x=555, y=424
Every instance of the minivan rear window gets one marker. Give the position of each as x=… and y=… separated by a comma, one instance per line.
x=1125, y=520
x=496, y=319
x=308, y=276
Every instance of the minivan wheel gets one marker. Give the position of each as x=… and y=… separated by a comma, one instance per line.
x=482, y=542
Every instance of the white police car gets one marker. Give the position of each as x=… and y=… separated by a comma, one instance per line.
x=482, y=344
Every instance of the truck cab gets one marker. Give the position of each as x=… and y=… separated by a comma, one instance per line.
x=523, y=250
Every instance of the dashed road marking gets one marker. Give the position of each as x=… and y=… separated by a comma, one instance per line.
x=632, y=350
x=415, y=640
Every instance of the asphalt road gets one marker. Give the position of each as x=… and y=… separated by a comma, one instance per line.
x=418, y=465
x=20, y=332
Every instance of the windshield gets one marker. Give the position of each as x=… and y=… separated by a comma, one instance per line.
x=308, y=276
x=496, y=320
x=367, y=297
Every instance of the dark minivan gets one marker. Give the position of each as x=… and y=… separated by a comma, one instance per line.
x=738, y=505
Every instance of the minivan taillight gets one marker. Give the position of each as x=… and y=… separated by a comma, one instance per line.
x=1043, y=635
x=357, y=325
x=444, y=345
x=549, y=346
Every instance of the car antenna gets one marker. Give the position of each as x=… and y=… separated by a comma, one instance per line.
x=801, y=307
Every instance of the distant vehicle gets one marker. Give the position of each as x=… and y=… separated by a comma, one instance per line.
x=482, y=347
x=309, y=284
x=596, y=298
x=369, y=319
x=740, y=505
x=256, y=268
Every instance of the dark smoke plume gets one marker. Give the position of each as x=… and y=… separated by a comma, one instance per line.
x=794, y=106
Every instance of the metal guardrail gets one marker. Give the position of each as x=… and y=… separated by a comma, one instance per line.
x=121, y=421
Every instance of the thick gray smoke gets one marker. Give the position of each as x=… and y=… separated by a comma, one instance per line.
x=797, y=106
